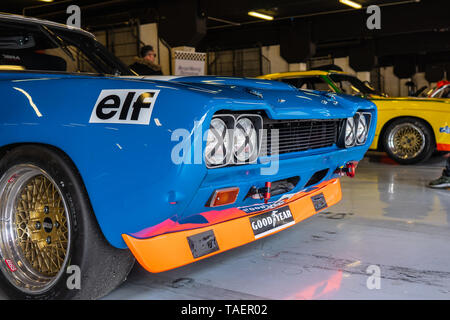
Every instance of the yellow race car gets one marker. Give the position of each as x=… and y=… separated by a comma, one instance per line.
x=408, y=129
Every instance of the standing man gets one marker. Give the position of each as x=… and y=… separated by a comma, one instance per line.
x=444, y=181
x=145, y=64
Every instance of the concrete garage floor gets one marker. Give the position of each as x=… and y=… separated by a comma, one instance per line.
x=388, y=218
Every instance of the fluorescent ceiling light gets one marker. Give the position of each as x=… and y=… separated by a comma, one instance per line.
x=46, y=0
x=260, y=15
x=351, y=4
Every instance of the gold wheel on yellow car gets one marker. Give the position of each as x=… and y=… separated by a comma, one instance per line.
x=408, y=140
x=35, y=229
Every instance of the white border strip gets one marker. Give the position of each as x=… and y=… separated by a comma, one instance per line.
x=274, y=230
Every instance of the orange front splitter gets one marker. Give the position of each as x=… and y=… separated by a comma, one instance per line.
x=443, y=147
x=171, y=250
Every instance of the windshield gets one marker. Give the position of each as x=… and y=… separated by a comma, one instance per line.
x=33, y=47
x=339, y=83
x=351, y=85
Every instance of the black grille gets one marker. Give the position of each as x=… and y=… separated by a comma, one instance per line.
x=298, y=135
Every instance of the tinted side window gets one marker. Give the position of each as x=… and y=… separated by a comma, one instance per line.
x=27, y=47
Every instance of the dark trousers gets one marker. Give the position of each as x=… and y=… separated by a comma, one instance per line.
x=447, y=169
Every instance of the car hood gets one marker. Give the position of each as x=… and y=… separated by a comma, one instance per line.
x=284, y=100
x=277, y=99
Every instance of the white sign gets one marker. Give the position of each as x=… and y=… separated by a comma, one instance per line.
x=189, y=63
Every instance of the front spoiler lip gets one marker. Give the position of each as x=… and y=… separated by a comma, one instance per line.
x=443, y=147
x=171, y=249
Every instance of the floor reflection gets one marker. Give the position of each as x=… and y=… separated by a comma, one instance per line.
x=387, y=218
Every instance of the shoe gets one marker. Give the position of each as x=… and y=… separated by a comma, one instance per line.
x=442, y=182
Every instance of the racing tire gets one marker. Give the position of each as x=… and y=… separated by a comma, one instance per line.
x=51, y=246
x=409, y=140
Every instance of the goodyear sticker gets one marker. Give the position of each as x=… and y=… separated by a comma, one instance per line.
x=261, y=206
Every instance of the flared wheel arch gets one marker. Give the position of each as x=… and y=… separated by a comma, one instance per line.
x=102, y=265
x=5, y=149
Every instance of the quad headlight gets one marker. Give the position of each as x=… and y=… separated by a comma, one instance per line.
x=245, y=139
x=218, y=145
x=233, y=139
x=355, y=130
x=362, y=130
x=350, y=133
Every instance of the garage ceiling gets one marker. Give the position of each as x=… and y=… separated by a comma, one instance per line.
x=236, y=10
x=418, y=30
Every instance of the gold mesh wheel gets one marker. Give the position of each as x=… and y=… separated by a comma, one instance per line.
x=35, y=230
x=42, y=226
x=406, y=141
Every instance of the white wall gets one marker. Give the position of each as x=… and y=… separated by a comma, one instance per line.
x=391, y=83
x=297, y=67
x=277, y=63
x=393, y=86
x=344, y=64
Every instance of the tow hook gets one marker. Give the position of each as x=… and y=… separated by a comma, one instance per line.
x=267, y=192
x=261, y=193
x=349, y=169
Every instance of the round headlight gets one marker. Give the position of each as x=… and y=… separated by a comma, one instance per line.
x=245, y=146
x=362, y=130
x=217, y=144
x=350, y=132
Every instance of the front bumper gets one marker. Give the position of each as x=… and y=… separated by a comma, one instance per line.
x=166, y=250
x=443, y=147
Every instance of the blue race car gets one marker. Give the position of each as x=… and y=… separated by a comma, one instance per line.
x=99, y=166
